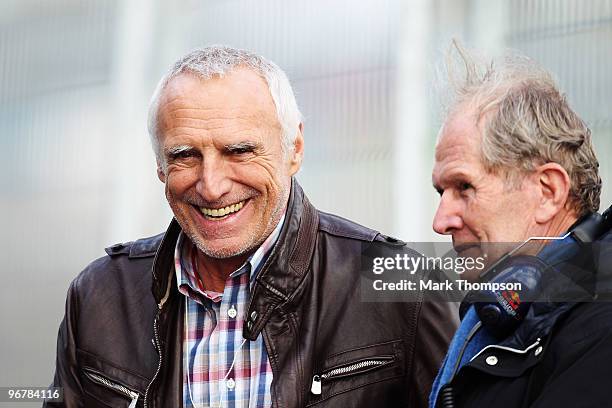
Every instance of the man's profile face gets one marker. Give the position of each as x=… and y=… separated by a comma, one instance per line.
x=226, y=177
x=476, y=206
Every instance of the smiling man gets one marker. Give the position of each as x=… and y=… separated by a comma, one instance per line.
x=255, y=294
x=226, y=173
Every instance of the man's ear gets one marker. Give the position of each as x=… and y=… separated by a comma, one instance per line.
x=160, y=173
x=554, y=184
x=297, y=154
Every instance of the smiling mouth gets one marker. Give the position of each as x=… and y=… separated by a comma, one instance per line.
x=218, y=214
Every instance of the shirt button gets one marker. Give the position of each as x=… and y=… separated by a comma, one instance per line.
x=230, y=384
x=491, y=360
x=232, y=312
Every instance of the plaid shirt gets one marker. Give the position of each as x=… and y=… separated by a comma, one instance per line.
x=220, y=368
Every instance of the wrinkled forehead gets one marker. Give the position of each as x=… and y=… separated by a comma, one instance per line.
x=240, y=91
x=460, y=135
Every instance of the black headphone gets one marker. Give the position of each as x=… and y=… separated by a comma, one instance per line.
x=501, y=311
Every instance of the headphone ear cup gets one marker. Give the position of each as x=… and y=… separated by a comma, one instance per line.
x=502, y=310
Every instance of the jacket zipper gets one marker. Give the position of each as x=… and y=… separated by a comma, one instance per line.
x=159, y=353
x=115, y=386
x=160, y=306
x=347, y=370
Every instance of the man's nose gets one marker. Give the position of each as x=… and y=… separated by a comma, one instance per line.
x=213, y=181
x=448, y=216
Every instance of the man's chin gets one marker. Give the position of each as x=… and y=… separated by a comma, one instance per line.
x=476, y=254
x=223, y=251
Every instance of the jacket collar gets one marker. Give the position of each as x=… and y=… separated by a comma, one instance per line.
x=569, y=280
x=568, y=273
x=279, y=277
x=287, y=264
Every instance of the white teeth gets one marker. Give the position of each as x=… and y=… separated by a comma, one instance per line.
x=222, y=212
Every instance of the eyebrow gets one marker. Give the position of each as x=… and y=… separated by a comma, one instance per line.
x=436, y=185
x=241, y=146
x=453, y=178
x=174, y=150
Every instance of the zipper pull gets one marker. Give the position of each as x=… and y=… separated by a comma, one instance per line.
x=316, y=385
x=134, y=400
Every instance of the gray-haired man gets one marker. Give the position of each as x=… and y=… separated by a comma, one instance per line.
x=514, y=161
x=255, y=298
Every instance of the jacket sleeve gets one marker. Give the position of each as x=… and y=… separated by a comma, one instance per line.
x=436, y=324
x=66, y=373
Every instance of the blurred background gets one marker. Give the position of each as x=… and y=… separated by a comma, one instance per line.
x=76, y=76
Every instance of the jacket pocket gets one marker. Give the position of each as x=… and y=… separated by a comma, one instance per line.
x=356, y=368
x=113, y=385
x=106, y=384
x=347, y=370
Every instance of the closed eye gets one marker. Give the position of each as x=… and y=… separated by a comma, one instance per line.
x=181, y=153
x=241, y=148
x=465, y=186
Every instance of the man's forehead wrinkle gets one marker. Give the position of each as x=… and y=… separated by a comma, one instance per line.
x=217, y=115
x=178, y=107
x=187, y=95
x=454, y=157
x=451, y=148
x=210, y=131
x=172, y=97
x=461, y=136
x=219, y=133
x=215, y=120
x=251, y=86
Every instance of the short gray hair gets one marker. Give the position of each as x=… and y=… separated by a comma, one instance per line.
x=212, y=61
x=527, y=122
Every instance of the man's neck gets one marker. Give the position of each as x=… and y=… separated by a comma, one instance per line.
x=213, y=272
x=561, y=223
x=555, y=228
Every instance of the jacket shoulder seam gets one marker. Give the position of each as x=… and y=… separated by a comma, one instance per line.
x=345, y=234
x=357, y=232
x=142, y=248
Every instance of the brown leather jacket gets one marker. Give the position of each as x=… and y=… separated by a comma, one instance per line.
x=119, y=346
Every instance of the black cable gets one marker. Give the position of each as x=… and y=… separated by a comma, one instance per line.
x=471, y=334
